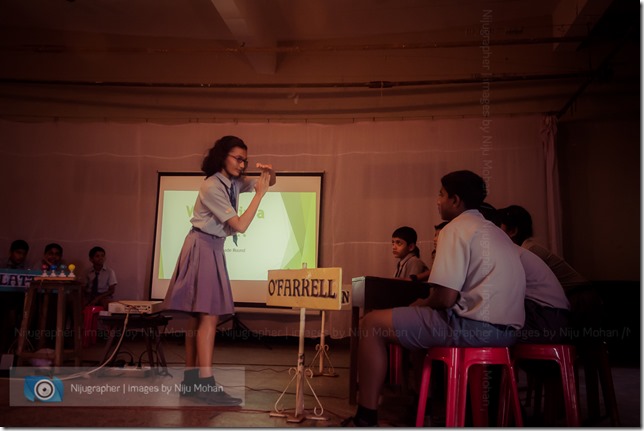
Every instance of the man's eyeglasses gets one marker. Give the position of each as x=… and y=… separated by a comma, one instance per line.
x=240, y=159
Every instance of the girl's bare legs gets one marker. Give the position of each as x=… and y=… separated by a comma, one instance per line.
x=206, y=330
x=376, y=330
x=191, y=345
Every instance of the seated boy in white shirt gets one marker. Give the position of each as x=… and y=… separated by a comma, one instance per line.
x=478, y=287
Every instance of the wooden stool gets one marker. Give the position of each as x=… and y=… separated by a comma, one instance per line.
x=46, y=286
x=458, y=361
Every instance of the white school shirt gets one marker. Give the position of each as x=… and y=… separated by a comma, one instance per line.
x=106, y=278
x=480, y=261
x=542, y=285
x=408, y=265
x=213, y=207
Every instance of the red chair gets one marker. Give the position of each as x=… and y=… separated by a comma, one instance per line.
x=90, y=324
x=458, y=361
x=395, y=364
x=564, y=356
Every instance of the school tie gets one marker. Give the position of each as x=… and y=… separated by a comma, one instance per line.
x=231, y=195
x=233, y=202
x=95, y=285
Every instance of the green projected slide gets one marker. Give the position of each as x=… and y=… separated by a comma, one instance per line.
x=283, y=234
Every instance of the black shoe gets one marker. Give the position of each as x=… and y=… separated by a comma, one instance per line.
x=190, y=377
x=209, y=392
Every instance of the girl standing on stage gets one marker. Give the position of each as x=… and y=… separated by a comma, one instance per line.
x=200, y=283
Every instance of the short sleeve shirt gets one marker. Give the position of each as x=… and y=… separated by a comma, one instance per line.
x=12, y=265
x=479, y=260
x=213, y=206
x=106, y=278
x=542, y=285
x=565, y=273
x=408, y=265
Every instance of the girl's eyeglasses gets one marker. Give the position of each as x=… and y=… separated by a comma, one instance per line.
x=239, y=159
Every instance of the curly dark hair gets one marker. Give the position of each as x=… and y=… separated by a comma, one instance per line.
x=214, y=161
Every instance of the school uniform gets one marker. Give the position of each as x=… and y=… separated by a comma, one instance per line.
x=408, y=265
x=106, y=278
x=477, y=259
x=546, y=305
x=200, y=282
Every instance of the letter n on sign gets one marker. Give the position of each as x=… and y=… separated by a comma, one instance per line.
x=324, y=290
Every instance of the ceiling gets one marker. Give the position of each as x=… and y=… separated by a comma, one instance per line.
x=211, y=60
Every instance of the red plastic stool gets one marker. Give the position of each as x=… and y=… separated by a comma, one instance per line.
x=458, y=361
x=395, y=364
x=90, y=324
x=564, y=356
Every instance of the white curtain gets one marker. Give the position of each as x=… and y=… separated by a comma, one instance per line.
x=553, y=196
x=86, y=184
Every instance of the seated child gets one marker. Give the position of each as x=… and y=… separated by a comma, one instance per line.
x=53, y=256
x=17, y=255
x=437, y=230
x=467, y=306
x=403, y=242
x=100, y=280
x=517, y=223
x=11, y=308
x=546, y=305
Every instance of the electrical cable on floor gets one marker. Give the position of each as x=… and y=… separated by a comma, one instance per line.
x=140, y=361
x=107, y=361
x=266, y=369
x=125, y=352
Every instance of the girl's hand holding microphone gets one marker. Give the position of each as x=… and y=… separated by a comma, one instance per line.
x=264, y=181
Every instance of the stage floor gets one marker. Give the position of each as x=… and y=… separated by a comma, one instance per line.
x=266, y=366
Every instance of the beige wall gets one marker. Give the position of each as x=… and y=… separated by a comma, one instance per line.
x=86, y=184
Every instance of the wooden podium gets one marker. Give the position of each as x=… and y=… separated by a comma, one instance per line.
x=376, y=293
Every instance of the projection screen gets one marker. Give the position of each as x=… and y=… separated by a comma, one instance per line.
x=283, y=235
